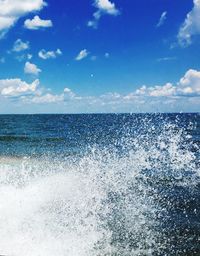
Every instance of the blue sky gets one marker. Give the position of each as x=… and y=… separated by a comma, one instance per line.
x=66, y=56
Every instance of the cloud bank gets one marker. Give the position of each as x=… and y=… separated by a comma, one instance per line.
x=179, y=96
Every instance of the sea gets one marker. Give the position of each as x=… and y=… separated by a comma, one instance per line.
x=100, y=185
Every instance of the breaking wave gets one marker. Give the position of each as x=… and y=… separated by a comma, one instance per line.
x=134, y=197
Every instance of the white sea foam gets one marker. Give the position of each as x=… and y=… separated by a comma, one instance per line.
x=101, y=204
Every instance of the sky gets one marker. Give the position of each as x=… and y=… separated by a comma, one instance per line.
x=99, y=56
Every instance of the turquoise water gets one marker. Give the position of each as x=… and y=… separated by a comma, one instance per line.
x=77, y=185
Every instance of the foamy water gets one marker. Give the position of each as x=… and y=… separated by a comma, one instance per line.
x=101, y=204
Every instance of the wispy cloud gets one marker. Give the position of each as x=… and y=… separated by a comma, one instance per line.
x=82, y=55
x=23, y=57
x=103, y=7
x=37, y=23
x=191, y=25
x=166, y=59
x=162, y=19
x=20, y=46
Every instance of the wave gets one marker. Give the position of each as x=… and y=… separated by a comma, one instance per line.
x=106, y=203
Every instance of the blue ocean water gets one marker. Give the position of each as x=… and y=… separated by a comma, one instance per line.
x=100, y=184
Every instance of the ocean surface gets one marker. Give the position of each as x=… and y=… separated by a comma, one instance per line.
x=100, y=185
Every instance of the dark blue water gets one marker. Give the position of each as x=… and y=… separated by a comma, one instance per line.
x=66, y=134
x=102, y=184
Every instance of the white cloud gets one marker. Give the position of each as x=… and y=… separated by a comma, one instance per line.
x=47, y=98
x=181, y=96
x=31, y=68
x=12, y=10
x=103, y=7
x=19, y=46
x=6, y=22
x=43, y=54
x=162, y=19
x=17, y=87
x=189, y=85
x=67, y=95
x=157, y=91
x=191, y=25
x=27, y=93
x=106, y=6
x=37, y=23
x=82, y=55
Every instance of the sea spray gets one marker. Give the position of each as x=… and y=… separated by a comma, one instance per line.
x=113, y=200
